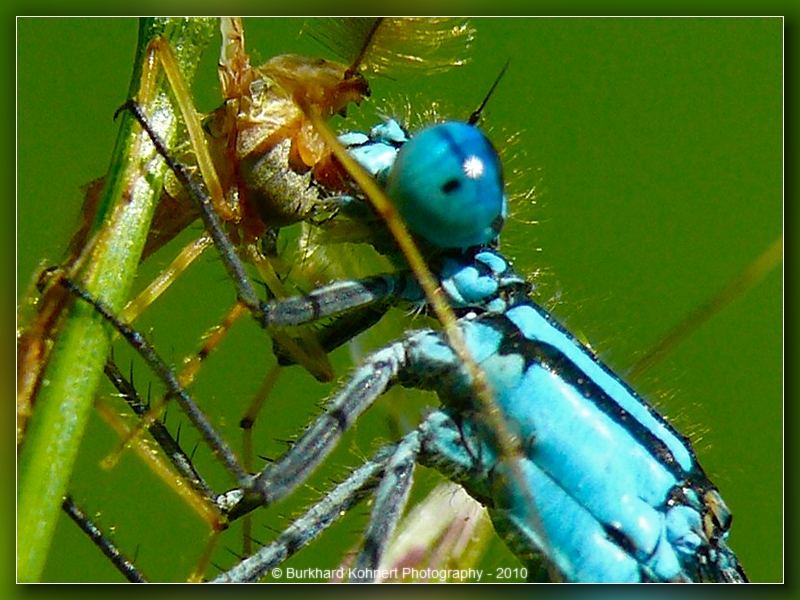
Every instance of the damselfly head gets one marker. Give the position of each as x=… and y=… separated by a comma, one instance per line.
x=448, y=185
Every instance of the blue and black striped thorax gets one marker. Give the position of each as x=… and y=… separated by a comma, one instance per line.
x=599, y=463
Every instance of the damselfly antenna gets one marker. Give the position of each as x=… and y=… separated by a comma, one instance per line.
x=476, y=114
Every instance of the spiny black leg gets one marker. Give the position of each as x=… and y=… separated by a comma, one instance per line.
x=123, y=564
x=161, y=435
x=217, y=443
x=244, y=287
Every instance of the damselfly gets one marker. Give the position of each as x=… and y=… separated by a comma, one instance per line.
x=623, y=118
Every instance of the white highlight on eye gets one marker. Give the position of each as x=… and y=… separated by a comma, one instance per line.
x=474, y=167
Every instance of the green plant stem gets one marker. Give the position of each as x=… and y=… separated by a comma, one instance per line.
x=67, y=391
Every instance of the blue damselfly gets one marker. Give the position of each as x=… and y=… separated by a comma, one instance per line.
x=589, y=108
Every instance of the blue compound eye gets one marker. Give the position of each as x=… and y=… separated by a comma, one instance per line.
x=447, y=183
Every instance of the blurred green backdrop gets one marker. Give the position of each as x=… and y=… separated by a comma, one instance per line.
x=655, y=149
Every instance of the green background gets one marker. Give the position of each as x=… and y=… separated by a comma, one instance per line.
x=655, y=149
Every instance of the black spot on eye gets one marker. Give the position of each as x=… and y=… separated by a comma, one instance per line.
x=451, y=186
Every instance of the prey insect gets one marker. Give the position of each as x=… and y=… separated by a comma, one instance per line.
x=296, y=152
